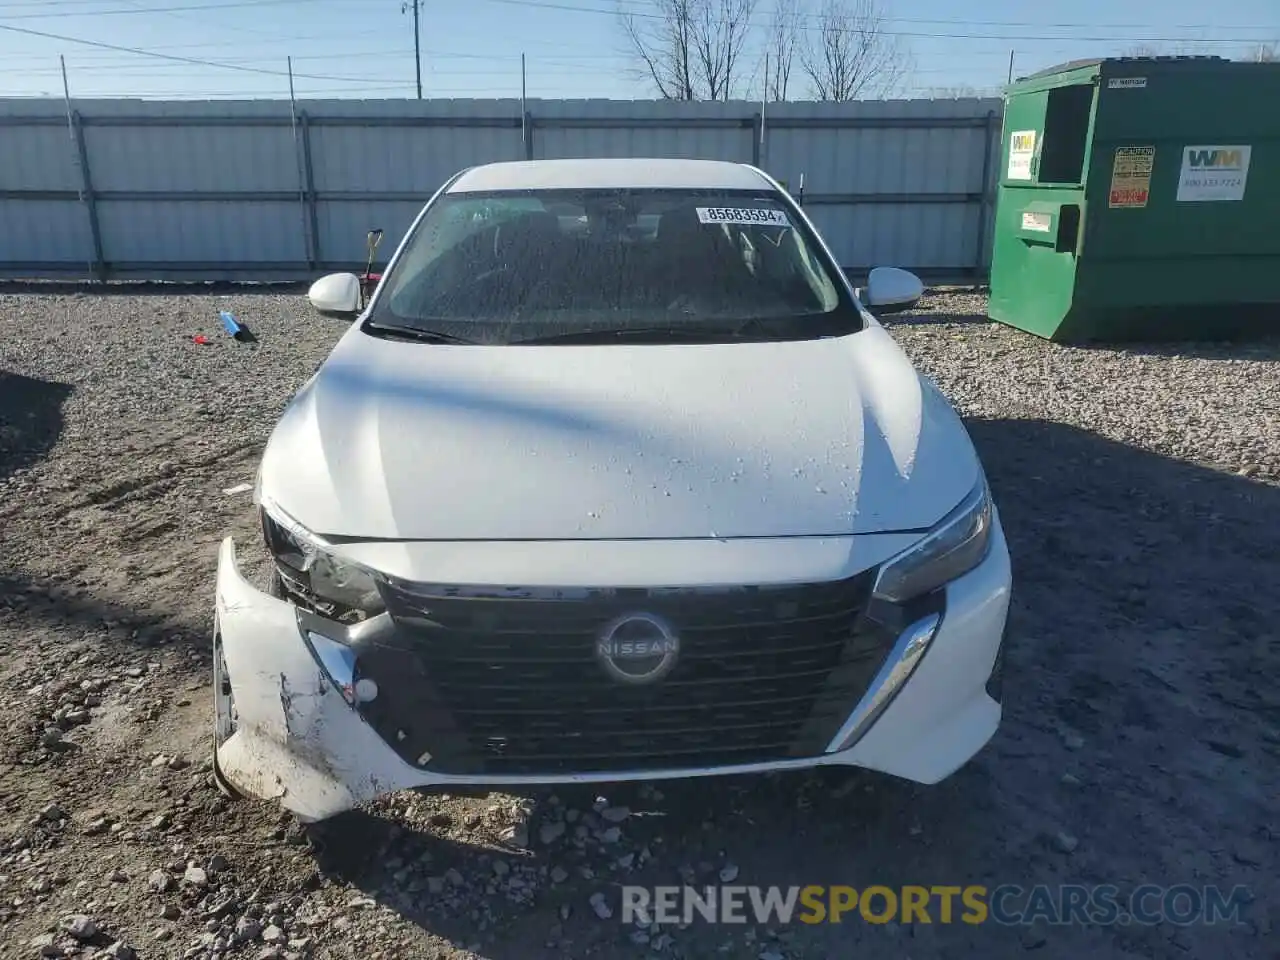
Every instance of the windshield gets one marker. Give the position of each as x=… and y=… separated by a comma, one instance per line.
x=664, y=264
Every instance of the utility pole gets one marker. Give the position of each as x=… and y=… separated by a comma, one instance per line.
x=75, y=145
x=417, y=47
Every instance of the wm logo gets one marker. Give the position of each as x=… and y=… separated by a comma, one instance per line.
x=1216, y=159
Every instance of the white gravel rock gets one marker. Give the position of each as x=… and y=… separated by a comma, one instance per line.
x=550, y=832
x=615, y=814
x=80, y=926
x=600, y=905
x=1065, y=842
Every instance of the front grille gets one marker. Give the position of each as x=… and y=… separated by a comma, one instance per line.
x=510, y=683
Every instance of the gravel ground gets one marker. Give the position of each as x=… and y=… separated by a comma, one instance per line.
x=1138, y=488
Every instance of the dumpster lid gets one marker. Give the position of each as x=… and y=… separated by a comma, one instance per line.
x=1071, y=65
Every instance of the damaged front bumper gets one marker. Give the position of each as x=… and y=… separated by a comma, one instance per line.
x=293, y=737
x=287, y=732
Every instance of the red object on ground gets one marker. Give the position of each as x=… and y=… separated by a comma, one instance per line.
x=201, y=339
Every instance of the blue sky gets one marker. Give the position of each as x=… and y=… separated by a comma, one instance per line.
x=574, y=48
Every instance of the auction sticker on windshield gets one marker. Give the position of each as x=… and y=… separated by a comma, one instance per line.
x=774, y=218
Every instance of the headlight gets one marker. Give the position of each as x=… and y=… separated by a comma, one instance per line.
x=956, y=545
x=337, y=588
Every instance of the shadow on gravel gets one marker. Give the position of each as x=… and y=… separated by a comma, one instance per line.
x=46, y=603
x=685, y=832
x=923, y=318
x=30, y=420
x=1257, y=349
x=1143, y=622
x=1148, y=539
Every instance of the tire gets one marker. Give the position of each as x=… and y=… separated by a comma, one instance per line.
x=221, y=688
x=221, y=782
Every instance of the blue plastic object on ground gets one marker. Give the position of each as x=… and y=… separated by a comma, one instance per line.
x=236, y=329
x=229, y=322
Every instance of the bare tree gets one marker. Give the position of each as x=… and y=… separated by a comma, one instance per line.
x=663, y=47
x=1183, y=48
x=690, y=49
x=783, y=44
x=719, y=35
x=1264, y=53
x=962, y=92
x=1145, y=50
x=853, y=56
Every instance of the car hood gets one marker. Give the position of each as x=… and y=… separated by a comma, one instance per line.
x=410, y=441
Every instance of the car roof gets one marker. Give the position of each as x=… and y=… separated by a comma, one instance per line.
x=638, y=173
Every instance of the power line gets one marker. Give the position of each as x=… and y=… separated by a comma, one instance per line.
x=586, y=59
x=558, y=59
x=235, y=4
x=279, y=94
x=888, y=18
x=505, y=92
x=273, y=41
x=1080, y=26
x=965, y=21
x=174, y=57
x=162, y=71
x=232, y=28
x=573, y=8
x=176, y=12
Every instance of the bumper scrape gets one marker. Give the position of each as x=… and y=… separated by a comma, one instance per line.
x=295, y=740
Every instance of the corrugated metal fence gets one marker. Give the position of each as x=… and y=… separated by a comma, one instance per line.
x=118, y=189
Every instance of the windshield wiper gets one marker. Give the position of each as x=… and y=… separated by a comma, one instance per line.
x=754, y=323
x=707, y=333
x=754, y=328
x=417, y=333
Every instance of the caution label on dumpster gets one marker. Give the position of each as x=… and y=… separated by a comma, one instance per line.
x=1131, y=176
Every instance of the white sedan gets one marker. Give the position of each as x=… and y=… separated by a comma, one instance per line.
x=615, y=477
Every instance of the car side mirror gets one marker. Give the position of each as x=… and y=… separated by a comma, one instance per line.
x=890, y=290
x=336, y=295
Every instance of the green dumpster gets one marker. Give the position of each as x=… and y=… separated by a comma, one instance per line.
x=1139, y=199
